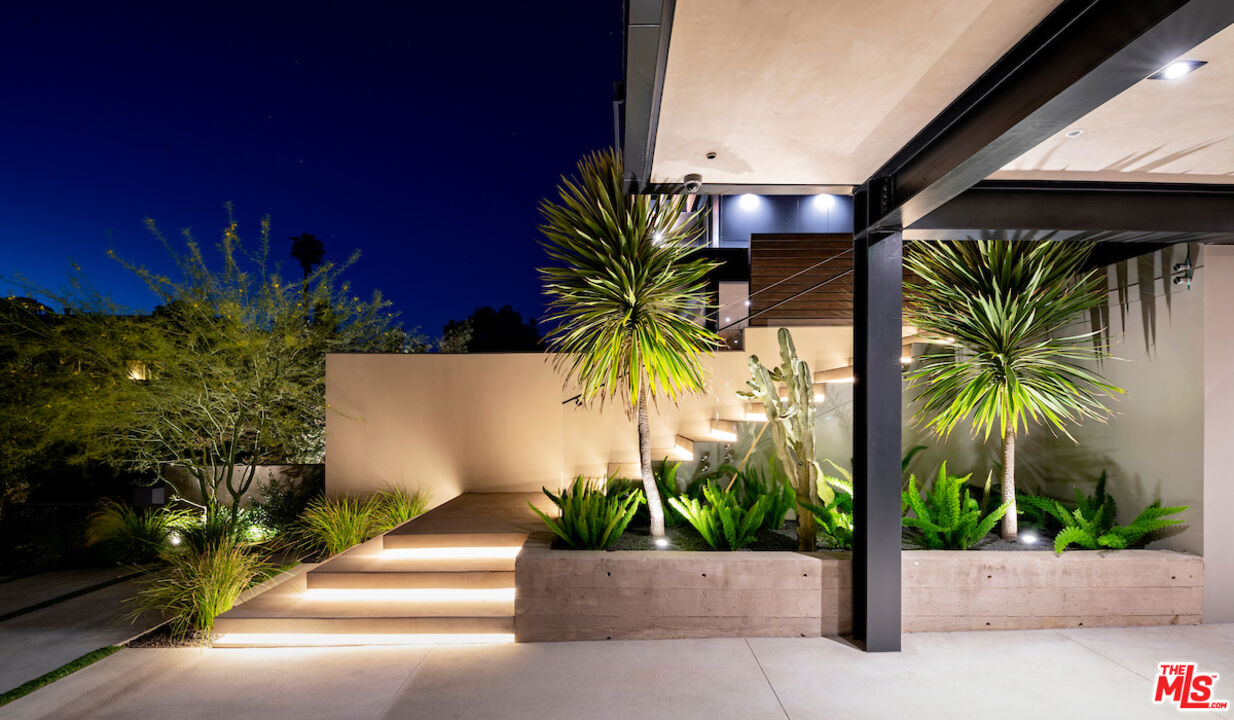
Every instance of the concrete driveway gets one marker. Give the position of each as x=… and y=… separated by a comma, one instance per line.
x=1031, y=675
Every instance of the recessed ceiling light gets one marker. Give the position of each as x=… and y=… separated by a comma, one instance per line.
x=711, y=155
x=1074, y=133
x=1177, y=69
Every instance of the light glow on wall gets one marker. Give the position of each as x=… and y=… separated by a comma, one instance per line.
x=749, y=201
x=824, y=201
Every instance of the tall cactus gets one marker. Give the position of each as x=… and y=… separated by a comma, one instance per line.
x=791, y=422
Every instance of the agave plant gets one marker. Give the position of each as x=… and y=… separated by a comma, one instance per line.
x=1008, y=305
x=624, y=292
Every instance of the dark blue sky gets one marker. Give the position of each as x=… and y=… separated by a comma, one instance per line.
x=422, y=134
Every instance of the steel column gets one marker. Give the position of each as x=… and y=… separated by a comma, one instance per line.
x=877, y=426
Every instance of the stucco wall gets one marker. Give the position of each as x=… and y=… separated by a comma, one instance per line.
x=502, y=423
x=1218, y=490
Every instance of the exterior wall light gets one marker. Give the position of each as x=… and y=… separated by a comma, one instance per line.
x=1177, y=69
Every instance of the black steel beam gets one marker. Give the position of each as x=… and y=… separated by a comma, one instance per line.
x=1083, y=54
x=1172, y=208
x=877, y=423
x=649, y=24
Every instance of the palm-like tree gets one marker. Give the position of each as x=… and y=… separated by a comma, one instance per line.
x=308, y=251
x=1011, y=306
x=624, y=293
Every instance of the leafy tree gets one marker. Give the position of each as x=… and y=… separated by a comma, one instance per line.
x=225, y=375
x=308, y=251
x=1009, y=305
x=490, y=330
x=623, y=296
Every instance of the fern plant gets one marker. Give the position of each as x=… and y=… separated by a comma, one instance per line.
x=947, y=518
x=722, y=520
x=592, y=518
x=1091, y=524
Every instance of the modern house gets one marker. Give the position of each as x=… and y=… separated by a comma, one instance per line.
x=825, y=136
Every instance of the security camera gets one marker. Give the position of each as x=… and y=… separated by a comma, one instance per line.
x=693, y=182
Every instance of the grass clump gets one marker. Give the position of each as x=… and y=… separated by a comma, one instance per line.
x=395, y=507
x=591, y=517
x=126, y=534
x=199, y=583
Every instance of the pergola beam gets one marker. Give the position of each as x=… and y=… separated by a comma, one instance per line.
x=1083, y=54
x=1135, y=209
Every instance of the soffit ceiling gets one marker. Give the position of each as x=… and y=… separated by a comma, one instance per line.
x=818, y=92
x=1155, y=131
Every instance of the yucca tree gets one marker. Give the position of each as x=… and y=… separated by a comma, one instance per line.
x=1011, y=306
x=624, y=293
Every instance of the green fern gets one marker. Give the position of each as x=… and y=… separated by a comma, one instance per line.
x=723, y=521
x=591, y=517
x=947, y=517
x=1091, y=524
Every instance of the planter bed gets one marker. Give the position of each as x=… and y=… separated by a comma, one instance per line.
x=598, y=595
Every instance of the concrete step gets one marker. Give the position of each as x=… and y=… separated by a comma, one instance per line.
x=392, y=561
x=410, y=579
x=395, y=539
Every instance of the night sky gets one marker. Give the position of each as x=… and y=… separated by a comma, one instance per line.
x=423, y=134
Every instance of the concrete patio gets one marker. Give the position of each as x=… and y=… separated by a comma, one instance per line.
x=1105, y=672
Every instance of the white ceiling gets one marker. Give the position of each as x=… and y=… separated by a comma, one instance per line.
x=818, y=92
x=1156, y=130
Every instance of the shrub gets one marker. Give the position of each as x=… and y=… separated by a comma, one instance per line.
x=132, y=535
x=666, y=481
x=199, y=584
x=946, y=517
x=592, y=518
x=283, y=501
x=335, y=525
x=1091, y=524
x=395, y=507
x=723, y=521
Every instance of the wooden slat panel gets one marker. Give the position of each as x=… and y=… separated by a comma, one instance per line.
x=776, y=260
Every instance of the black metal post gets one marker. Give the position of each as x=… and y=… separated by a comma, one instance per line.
x=877, y=422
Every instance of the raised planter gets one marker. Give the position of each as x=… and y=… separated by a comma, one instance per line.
x=572, y=595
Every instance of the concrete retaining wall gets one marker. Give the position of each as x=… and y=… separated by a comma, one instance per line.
x=572, y=595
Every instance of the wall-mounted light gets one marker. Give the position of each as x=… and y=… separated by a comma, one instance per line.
x=749, y=201
x=1178, y=69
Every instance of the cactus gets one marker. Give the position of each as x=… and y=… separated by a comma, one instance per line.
x=791, y=423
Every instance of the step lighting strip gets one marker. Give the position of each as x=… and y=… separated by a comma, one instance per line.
x=410, y=595
x=347, y=639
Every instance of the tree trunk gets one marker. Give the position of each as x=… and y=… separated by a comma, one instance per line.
x=807, y=524
x=654, y=505
x=1010, y=520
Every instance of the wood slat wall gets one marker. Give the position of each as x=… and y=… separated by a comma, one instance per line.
x=775, y=258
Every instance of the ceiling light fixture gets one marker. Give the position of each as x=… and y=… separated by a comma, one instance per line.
x=1177, y=69
x=749, y=201
x=1074, y=133
x=711, y=155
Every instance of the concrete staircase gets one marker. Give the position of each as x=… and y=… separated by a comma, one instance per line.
x=445, y=577
x=724, y=430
